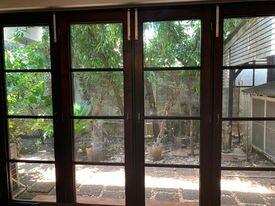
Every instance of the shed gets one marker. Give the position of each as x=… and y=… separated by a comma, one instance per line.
x=263, y=105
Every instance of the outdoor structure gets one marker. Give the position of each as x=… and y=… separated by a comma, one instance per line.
x=263, y=105
x=250, y=92
x=252, y=43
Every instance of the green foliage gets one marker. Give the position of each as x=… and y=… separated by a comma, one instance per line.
x=81, y=127
x=82, y=109
x=44, y=128
x=97, y=45
x=41, y=128
x=230, y=25
x=172, y=43
x=166, y=44
x=28, y=93
x=27, y=54
x=98, y=88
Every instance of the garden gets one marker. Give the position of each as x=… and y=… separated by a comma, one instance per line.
x=174, y=93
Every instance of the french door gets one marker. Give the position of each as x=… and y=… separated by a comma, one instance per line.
x=97, y=68
x=244, y=107
x=139, y=106
x=173, y=91
x=129, y=116
x=29, y=108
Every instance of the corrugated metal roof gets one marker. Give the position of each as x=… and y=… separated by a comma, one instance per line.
x=267, y=89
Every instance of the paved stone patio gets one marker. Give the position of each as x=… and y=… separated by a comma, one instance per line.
x=169, y=187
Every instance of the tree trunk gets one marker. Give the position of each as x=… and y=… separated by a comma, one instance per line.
x=191, y=125
x=97, y=131
x=191, y=129
x=119, y=99
x=152, y=104
x=167, y=108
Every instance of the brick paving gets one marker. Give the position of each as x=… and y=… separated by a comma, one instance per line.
x=158, y=195
x=181, y=195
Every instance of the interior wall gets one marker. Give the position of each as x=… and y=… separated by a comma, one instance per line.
x=9, y=5
x=17, y=5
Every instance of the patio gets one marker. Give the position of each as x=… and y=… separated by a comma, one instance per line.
x=174, y=187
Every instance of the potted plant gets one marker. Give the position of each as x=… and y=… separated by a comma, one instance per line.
x=156, y=151
x=89, y=152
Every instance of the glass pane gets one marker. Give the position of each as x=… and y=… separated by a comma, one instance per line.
x=247, y=188
x=31, y=139
x=248, y=144
x=98, y=93
x=249, y=41
x=171, y=186
x=244, y=78
x=172, y=142
x=172, y=93
x=27, y=47
x=263, y=76
x=270, y=107
x=33, y=181
x=100, y=185
x=99, y=140
x=172, y=43
x=245, y=91
x=97, y=45
x=29, y=93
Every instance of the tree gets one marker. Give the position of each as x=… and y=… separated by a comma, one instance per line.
x=28, y=93
x=169, y=44
x=172, y=44
x=230, y=25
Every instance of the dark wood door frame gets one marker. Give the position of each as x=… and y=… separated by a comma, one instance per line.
x=208, y=188
x=134, y=147
x=106, y=16
x=211, y=94
x=236, y=10
x=28, y=19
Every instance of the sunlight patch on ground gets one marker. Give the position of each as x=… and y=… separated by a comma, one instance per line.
x=100, y=176
x=90, y=176
x=238, y=185
x=163, y=182
x=39, y=172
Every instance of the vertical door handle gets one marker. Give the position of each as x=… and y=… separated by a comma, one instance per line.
x=128, y=25
x=54, y=29
x=136, y=24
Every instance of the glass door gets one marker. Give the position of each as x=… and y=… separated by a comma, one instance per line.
x=28, y=108
x=100, y=106
x=247, y=131
x=172, y=88
x=132, y=107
